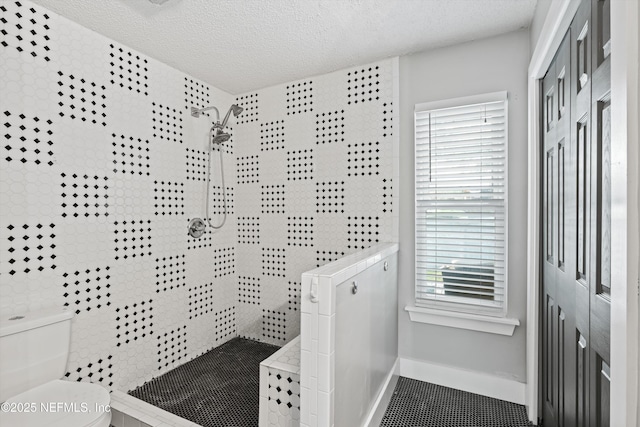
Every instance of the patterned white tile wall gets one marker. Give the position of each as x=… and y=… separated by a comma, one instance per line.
x=283, y=399
x=280, y=387
x=102, y=166
x=316, y=163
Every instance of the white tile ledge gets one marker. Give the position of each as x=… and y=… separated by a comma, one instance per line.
x=144, y=413
x=473, y=322
x=356, y=262
x=286, y=359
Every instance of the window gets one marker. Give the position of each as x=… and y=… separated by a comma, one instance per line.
x=461, y=209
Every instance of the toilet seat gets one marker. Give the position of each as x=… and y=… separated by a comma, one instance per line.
x=60, y=404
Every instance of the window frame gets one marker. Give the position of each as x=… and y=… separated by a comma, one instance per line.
x=450, y=306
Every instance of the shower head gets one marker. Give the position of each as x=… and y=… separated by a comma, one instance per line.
x=236, y=110
x=219, y=136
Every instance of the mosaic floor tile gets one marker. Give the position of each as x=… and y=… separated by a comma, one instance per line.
x=218, y=389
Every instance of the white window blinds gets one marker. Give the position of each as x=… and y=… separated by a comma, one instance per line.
x=461, y=214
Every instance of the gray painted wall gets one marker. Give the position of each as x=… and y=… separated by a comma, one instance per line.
x=539, y=16
x=483, y=66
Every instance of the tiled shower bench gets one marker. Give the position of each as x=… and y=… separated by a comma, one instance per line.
x=280, y=387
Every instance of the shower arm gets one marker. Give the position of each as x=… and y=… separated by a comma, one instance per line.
x=195, y=112
x=226, y=119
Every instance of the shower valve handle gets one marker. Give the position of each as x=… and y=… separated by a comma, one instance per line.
x=196, y=227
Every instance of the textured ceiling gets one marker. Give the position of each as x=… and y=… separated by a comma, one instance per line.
x=242, y=45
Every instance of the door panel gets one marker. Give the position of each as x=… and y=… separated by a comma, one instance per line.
x=600, y=289
x=559, y=353
x=582, y=381
x=549, y=237
x=582, y=172
x=549, y=358
x=565, y=259
x=603, y=396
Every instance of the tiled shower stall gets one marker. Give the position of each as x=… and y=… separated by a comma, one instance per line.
x=103, y=166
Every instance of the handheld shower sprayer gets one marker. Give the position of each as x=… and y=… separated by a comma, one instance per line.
x=217, y=135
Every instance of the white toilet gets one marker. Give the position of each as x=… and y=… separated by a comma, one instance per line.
x=34, y=349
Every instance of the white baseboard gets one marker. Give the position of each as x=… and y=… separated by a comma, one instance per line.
x=383, y=395
x=460, y=379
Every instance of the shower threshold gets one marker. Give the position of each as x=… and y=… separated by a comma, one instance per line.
x=218, y=389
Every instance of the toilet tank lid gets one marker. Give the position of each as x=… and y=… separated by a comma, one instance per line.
x=58, y=403
x=12, y=324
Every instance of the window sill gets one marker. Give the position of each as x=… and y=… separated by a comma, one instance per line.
x=472, y=322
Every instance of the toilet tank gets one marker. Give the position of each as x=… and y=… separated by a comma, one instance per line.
x=34, y=348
